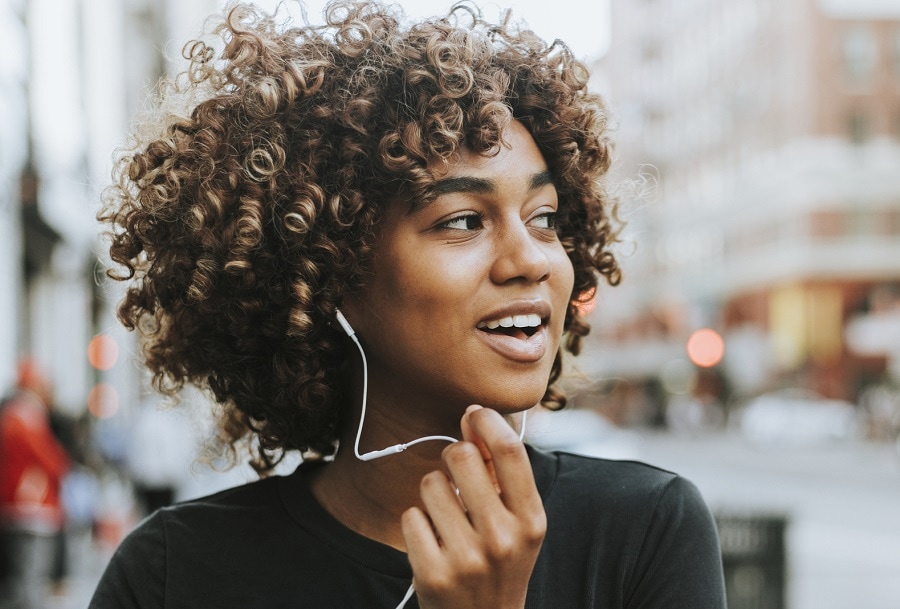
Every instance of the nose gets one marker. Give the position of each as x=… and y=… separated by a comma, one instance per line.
x=519, y=256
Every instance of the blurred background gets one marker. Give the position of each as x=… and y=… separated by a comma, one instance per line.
x=753, y=346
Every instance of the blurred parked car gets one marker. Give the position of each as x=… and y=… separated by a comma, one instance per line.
x=798, y=416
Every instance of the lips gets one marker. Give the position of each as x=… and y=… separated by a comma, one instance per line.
x=517, y=331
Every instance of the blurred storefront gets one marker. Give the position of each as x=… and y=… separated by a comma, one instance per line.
x=760, y=142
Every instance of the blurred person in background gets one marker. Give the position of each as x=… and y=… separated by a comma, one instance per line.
x=159, y=454
x=76, y=492
x=32, y=466
x=367, y=240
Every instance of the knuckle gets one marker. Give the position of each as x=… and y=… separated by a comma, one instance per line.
x=500, y=546
x=509, y=449
x=472, y=562
x=534, y=528
x=435, y=581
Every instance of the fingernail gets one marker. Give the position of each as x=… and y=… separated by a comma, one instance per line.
x=473, y=408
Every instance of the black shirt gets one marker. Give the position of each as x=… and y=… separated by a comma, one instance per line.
x=620, y=534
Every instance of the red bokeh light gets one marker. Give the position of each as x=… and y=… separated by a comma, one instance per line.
x=706, y=348
x=103, y=352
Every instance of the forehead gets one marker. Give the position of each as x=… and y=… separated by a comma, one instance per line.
x=517, y=149
x=517, y=165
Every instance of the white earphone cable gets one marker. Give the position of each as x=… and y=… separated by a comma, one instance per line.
x=396, y=448
x=390, y=450
x=407, y=596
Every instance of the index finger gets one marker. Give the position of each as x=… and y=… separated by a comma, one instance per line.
x=511, y=466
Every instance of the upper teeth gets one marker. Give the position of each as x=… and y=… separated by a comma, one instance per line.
x=519, y=321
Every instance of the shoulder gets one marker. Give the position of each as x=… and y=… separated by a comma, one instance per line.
x=245, y=507
x=188, y=540
x=641, y=503
x=647, y=531
x=135, y=576
x=600, y=481
x=631, y=491
x=213, y=518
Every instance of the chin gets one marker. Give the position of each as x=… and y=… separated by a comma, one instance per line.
x=515, y=400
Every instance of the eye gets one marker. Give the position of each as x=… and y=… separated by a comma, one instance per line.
x=470, y=221
x=546, y=220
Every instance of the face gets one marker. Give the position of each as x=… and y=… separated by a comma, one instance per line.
x=468, y=293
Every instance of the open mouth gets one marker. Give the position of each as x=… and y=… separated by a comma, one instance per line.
x=516, y=326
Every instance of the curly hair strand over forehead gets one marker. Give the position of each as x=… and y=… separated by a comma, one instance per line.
x=242, y=222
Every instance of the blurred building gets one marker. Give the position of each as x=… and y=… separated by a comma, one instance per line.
x=13, y=155
x=73, y=73
x=761, y=140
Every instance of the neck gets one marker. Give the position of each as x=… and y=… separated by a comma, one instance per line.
x=369, y=497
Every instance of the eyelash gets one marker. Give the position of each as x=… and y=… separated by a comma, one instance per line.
x=550, y=215
x=478, y=217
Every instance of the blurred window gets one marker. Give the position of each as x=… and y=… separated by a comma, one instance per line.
x=860, y=54
x=827, y=224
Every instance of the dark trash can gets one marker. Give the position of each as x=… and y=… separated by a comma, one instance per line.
x=753, y=558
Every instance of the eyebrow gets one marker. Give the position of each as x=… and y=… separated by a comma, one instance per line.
x=480, y=186
x=540, y=179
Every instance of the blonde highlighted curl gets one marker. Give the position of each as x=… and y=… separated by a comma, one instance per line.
x=242, y=224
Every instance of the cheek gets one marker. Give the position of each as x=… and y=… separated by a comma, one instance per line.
x=414, y=297
x=426, y=278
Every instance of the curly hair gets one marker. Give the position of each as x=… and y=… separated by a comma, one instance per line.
x=242, y=222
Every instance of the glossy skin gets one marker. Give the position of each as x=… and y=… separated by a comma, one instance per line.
x=484, y=250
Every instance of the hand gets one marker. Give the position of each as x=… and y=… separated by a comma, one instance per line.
x=477, y=550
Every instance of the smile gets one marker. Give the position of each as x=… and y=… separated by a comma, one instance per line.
x=518, y=332
x=517, y=326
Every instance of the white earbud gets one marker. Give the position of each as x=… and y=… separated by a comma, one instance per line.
x=344, y=323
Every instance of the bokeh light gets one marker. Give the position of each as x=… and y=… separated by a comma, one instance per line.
x=705, y=348
x=103, y=401
x=103, y=352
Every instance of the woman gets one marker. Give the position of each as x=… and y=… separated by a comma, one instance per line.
x=367, y=240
